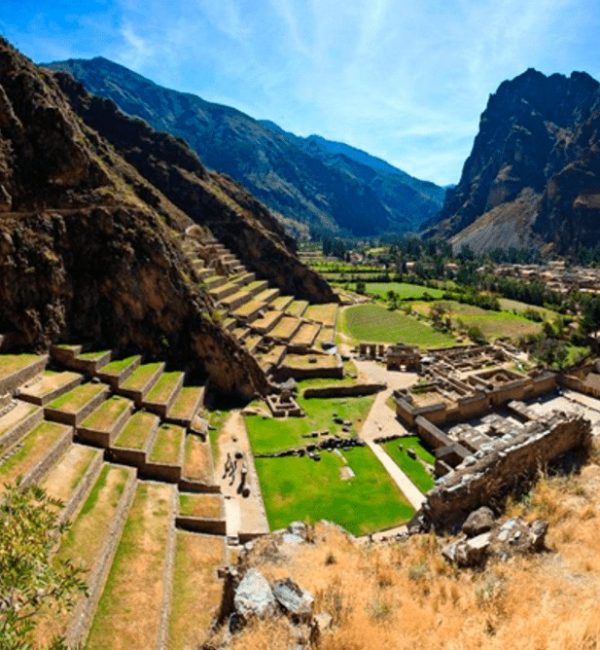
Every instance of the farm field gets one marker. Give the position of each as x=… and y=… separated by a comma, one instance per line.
x=404, y=290
x=516, y=305
x=413, y=468
x=302, y=489
x=493, y=324
x=269, y=435
x=375, y=323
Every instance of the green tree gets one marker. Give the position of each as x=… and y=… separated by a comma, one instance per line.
x=29, y=577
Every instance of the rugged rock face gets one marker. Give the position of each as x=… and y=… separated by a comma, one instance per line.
x=533, y=175
x=233, y=215
x=82, y=255
x=308, y=181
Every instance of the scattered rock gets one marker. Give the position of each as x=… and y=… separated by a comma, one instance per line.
x=479, y=521
x=411, y=453
x=298, y=528
x=324, y=622
x=254, y=597
x=294, y=600
x=537, y=534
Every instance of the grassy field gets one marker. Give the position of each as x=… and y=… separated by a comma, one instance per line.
x=196, y=463
x=187, y=402
x=404, y=290
x=515, y=305
x=164, y=387
x=140, y=377
x=301, y=489
x=493, y=324
x=167, y=445
x=376, y=323
x=116, y=367
x=269, y=434
x=414, y=469
x=10, y=363
x=207, y=506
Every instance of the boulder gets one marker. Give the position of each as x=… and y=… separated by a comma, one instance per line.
x=537, y=534
x=254, y=597
x=468, y=553
x=294, y=600
x=411, y=453
x=298, y=528
x=479, y=521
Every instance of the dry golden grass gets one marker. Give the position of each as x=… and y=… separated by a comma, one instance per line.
x=404, y=595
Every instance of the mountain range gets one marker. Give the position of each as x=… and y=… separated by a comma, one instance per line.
x=533, y=176
x=309, y=183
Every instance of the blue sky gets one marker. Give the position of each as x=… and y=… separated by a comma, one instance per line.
x=405, y=80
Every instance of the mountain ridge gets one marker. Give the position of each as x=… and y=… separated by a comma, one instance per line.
x=296, y=181
x=532, y=178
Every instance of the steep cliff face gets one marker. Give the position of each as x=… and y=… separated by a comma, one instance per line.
x=233, y=215
x=317, y=185
x=82, y=255
x=532, y=175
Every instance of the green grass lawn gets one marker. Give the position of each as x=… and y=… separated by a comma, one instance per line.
x=404, y=290
x=268, y=435
x=301, y=489
x=376, y=323
x=493, y=324
x=116, y=367
x=414, y=469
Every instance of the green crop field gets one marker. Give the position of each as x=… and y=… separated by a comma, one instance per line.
x=269, y=435
x=413, y=468
x=404, y=290
x=297, y=488
x=493, y=324
x=376, y=323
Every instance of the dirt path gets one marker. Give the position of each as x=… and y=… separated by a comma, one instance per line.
x=243, y=515
x=382, y=421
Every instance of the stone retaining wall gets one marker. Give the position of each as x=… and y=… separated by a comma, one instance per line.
x=12, y=382
x=202, y=525
x=488, y=480
x=355, y=390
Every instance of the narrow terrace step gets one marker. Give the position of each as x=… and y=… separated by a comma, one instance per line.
x=306, y=336
x=91, y=362
x=229, y=324
x=17, y=369
x=201, y=513
x=73, y=407
x=132, y=445
x=91, y=543
x=257, y=286
x=296, y=308
x=325, y=314
x=326, y=336
x=243, y=278
x=32, y=456
x=104, y=423
x=272, y=358
x=70, y=479
x=20, y=418
x=65, y=352
x=267, y=322
x=141, y=380
x=197, y=559
x=250, y=311
x=202, y=274
x=240, y=333
x=116, y=372
x=239, y=268
x=198, y=471
x=223, y=291
x=237, y=299
x=282, y=303
x=164, y=392
x=165, y=460
x=133, y=609
x=285, y=328
x=49, y=385
x=252, y=342
x=268, y=295
x=214, y=281
x=187, y=404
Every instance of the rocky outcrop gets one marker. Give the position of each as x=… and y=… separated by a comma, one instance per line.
x=533, y=175
x=236, y=218
x=87, y=246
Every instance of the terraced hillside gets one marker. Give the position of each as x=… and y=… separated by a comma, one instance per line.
x=134, y=473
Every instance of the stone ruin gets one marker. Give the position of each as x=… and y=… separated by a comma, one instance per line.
x=284, y=405
x=403, y=357
x=502, y=465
